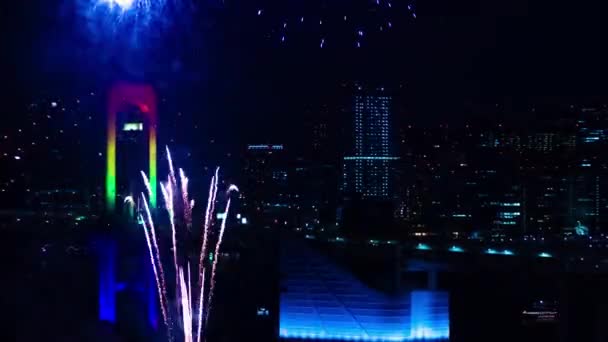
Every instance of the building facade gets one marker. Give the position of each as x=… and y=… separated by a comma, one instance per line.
x=369, y=154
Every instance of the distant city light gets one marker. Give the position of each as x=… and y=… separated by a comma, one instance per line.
x=371, y=158
x=53, y=104
x=244, y=220
x=544, y=255
x=492, y=251
x=262, y=312
x=265, y=147
x=423, y=247
x=17, y=157
x=456, y=249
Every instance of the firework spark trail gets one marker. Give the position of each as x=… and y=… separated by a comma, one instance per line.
x=186, y=202
x=201, y=263
x=217, y=178
x=155, y=244
x=146, y=183
x=334, y=22
x=186, y=308
x=210, y=208
x=183, y=289
x=158, y=284
x=212, y=189
x=189, y=285
x=208, y=217
x=172, y=184
x=167, y=191
x=171, y=170
x=200, y=309
x=215, y=258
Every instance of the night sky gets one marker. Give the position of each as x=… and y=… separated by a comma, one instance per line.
x=454, y=60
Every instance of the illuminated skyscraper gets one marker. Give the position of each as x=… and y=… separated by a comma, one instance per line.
x=369, y=155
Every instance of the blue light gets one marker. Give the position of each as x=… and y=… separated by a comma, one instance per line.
x=326, y=302
x=124, y=4
x=423, y=247
x=495, y=252
x=456, y=249
x=107, y=280
x=544, y=255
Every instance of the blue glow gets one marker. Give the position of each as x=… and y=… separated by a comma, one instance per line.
x=326, y=302
x=118, y=28
x=107, y=280
x=495, y=252
x=423, y=247
x=456, y=249
x=544, y=255
x=124, y=4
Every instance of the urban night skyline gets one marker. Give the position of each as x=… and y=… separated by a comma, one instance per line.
x=371, y=170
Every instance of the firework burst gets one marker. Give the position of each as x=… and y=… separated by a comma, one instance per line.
x=192, y=313
x=332, y=22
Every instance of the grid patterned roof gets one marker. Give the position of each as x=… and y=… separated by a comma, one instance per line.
x=322, y=301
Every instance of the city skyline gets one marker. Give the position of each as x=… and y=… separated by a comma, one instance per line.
x=372, y=170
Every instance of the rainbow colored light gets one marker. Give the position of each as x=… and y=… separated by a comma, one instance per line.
x=144, y=97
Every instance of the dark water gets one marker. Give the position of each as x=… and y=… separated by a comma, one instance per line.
x=50, y=294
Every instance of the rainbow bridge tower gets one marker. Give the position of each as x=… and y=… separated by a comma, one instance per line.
x=121, y=97
x=132, y=123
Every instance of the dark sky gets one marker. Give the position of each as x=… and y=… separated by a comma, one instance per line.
x=455, y=56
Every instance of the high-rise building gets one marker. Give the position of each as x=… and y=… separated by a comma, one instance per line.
x=369, y=151
x=593, y=126
x=265, y=193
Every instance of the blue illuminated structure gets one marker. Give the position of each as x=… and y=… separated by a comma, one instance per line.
x=321, y=301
